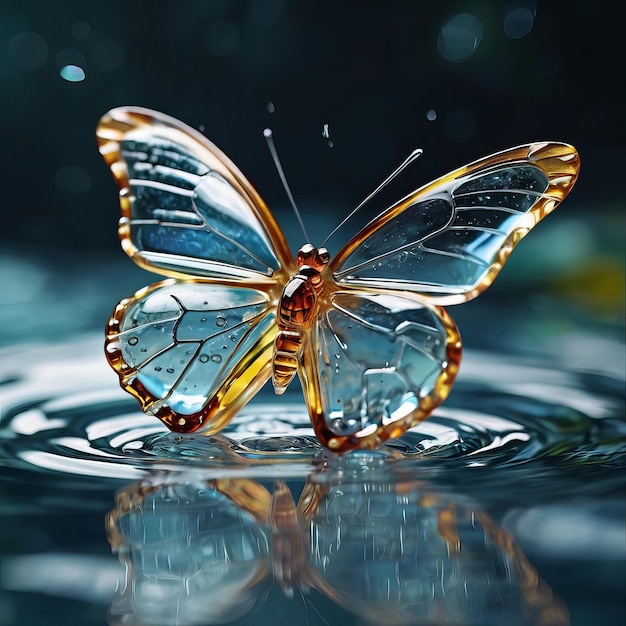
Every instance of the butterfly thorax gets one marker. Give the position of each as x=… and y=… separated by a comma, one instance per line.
x=297, y=310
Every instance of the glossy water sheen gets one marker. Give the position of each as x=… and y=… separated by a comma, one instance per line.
x=420, y=532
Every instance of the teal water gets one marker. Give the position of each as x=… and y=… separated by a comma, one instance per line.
x=505, y=507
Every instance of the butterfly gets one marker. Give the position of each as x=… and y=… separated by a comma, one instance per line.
x=364, y=329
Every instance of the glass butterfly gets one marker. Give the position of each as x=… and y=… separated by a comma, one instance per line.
x=364, y=330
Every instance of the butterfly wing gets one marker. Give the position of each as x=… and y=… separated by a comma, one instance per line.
x=186, y=208
x=449, y=240
x=192, y=351
x=376, y=364
x=383, y=355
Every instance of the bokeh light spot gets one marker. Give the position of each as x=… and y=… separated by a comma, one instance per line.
x=431, y=115
x=81, y=29
x=460, y=37
x=72, y=73
x=518, y=23
x=28, y=51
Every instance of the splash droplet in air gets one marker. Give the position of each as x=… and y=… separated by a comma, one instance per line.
x=326, y=135
x=270, y=107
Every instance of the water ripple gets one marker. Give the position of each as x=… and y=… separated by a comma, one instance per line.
x=67, y=415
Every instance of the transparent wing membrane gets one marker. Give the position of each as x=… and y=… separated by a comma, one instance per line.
x=192, y=353
x=374, y=351
x=186, y=209
x=376, y=365
x=449, y=239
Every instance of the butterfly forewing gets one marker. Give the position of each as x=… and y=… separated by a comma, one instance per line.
x=449, y=239
x=186, y=208
x=375, y=365
x=192, y=353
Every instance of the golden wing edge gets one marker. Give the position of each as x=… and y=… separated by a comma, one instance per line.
x=243, y=382
x=560, y=163
x=311, y=387
x=119, y=122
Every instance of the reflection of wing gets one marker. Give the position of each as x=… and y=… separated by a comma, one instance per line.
x=192, y=353
x=376, y=365
x=186, y=208
x=449, y=239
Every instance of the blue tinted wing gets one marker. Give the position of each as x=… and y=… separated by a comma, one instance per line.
x=449, y=239
x=186, y=208
x=192, y=353
x=378, y=364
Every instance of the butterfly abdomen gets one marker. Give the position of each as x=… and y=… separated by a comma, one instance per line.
x=297, y=311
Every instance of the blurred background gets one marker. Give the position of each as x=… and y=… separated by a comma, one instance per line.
x=459, y=79
x=349, y=89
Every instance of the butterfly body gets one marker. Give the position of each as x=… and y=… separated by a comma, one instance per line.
x=296, y=314
x=364, y=329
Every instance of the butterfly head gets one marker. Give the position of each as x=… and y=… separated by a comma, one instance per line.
x=309, y=255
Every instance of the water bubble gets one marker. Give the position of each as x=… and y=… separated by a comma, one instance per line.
x=326, y=135
x=203, y=358
x=170, y=370
x=431, y=115
x=270, y=107
x=403, y=256
x=518, y=23
x=216, y=358
x=220, y=321
x=133, y=341
x=144, y=350
x=158, y=368
x=233, y=338
x=203, y=319
x=460, y=37
x=28, y=51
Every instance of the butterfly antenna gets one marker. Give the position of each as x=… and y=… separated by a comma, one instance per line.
x=414, y=155
x=267, y=133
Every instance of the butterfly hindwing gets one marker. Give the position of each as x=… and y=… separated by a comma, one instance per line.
x=376, y=364
x=192, y=353
x=187, y=210
x=448, y=240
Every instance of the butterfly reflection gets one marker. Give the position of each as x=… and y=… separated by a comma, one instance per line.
x=360, y=544
x=363, y=328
